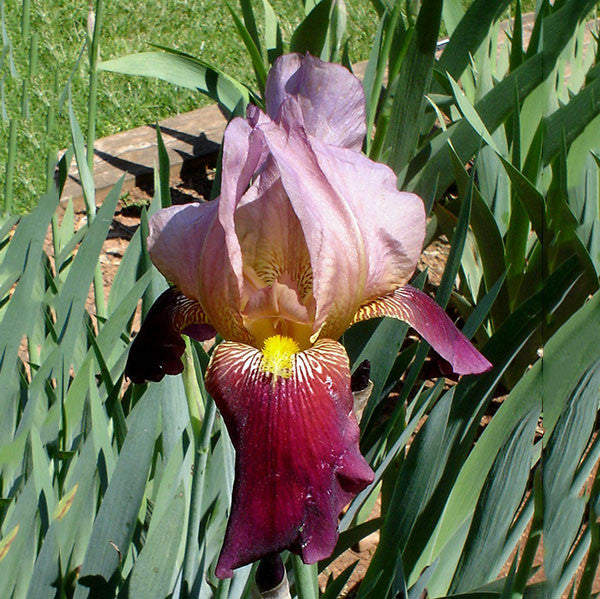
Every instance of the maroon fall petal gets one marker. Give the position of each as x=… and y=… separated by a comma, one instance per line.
x=297, y=457
x=158, y=347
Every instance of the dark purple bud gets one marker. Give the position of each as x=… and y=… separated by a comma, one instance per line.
x=270, y=572
x=360, y=377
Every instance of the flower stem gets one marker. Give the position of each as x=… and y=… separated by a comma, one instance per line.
x=307, y=584
x=191, y=384
x=26, y=18
x=10, y=166
x=91, y=138
x=201, y=442
x=222, y=591
x=93, y=96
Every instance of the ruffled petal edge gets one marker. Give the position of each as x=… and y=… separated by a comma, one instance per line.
x=297, y=456
x=331, y=98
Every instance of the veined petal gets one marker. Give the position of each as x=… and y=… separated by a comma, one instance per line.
x=431, y=322
x=391, y=222
x=276, y=263
x=221, y=283
x=363, y=235
x=331, y=99
x=331, y=231
x=270, y=235
x=157, y=348
x=297, y=456
x=276, y=310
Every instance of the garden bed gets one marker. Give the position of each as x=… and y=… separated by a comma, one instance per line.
x=459, y=459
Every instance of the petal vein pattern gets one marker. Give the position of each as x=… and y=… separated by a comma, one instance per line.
x=277, y=296
x=157, y=348
x=297, y=456
x=431, y=322
x=332, y=234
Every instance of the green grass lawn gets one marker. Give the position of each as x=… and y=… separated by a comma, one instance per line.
x=203, y=28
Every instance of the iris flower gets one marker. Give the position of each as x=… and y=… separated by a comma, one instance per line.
x=308, y=237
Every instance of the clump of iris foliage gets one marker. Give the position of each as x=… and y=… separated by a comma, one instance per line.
x=96, y=476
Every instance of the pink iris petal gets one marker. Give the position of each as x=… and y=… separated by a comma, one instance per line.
x=429, y=320
x=268, y=230
x=332, y=220
x=332, y=233
x=221, y=283
x=175, y=243
x=243, y=154
x=363, y=235
x=391, y=222
x=157, y=348
x=297, y=456
x=331, y=99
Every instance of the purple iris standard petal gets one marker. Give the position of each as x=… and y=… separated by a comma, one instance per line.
x=331, y=99
x=391, y=222
x=277, y=268
x=158, y=347
x=283, y=81
x=196, y=246
x=297, y=457
x=363, y=235
x=432, y=323
x=243, y=155
x=331, y=231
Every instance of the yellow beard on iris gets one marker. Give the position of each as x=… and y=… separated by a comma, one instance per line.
x=278, y=357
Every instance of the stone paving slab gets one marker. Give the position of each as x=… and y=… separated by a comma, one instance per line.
x=188, y=137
